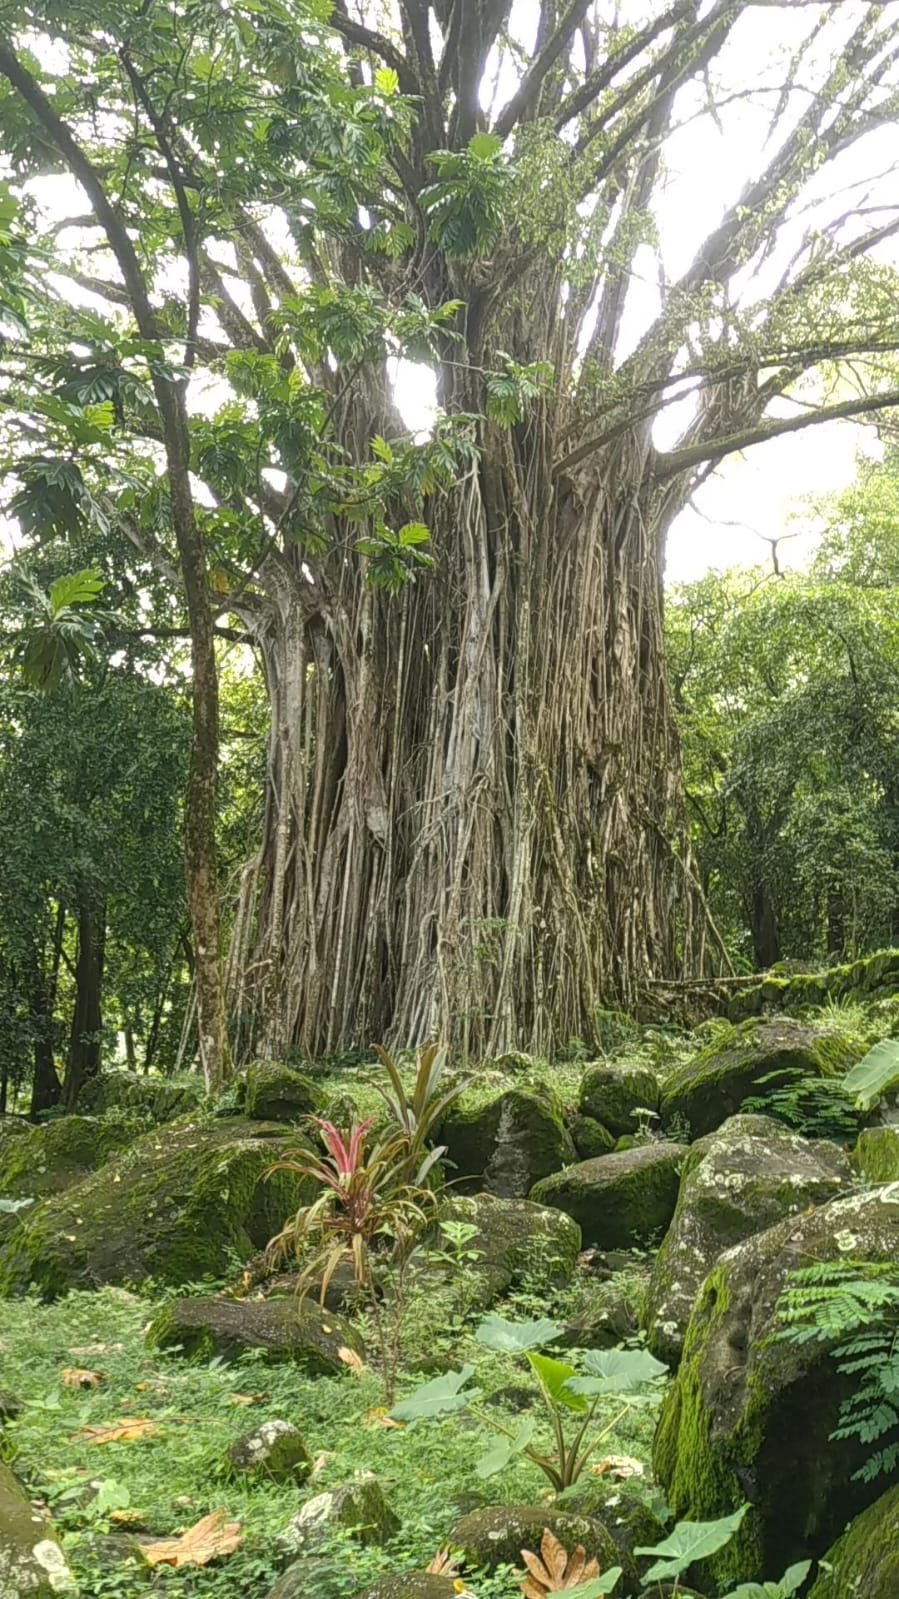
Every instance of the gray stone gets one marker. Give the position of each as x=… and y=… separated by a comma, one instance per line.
x=614, y=1093
x=32, y=1564
x=406, y=1585
x=747, y=1176
x=274, y=1449
x=280, y=1329
x=619, y=1200
x=702, y=1093
x=276, y=1093
x=516, y=1241
x=751, y=1418
x=510, y=1142
x=358, y=1507
x=496, y=1536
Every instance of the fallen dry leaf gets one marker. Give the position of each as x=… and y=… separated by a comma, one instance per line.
x=321, y=1463
x=443, y=1564
x=619, y=1466
x=553, y=1570
x=80, y=1377
x=124, y=1431
x=97, y=1349
x=351, y=1359
x=209, y=1539
x=127, y=1518
x=379, y=1418
x=246, y=1399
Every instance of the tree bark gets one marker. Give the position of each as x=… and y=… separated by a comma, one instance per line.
x=85, y=1040
x=46, y=1089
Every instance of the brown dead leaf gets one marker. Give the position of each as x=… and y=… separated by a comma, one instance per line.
x=96, y=1349
x=553, y=1570
x=80, y=1377
x=443, y=1564
x=619, y=1467
x=351, y=1359
x=379, y=1418
x=124, y=1431
x=210, y=1539
x=127, y=1518
x=321, y=1463
x=246, y=1399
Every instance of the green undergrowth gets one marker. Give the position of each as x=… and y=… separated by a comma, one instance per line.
x=168, y=1481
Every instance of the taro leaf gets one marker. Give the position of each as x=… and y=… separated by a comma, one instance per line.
x=789, y=1584
x=505, y=1449
x=690, y=1541
x=617, y=1371
x=438, y=1397
x=597, y=1587
x=874, y=1074
x=514, y=1337
x=554, y=1377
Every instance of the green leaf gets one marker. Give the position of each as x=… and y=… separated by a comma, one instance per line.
x=515, y=1337
x=690, y=1541
x=76, y=588
x=596, y=1587
x=789, y=1584
x=505, y=1449
x=554, y=1376
x=617, y=1371
x=484, y=146
x=438, y=1397
x=874, y=1075
x=387, y=81
x=414, y=533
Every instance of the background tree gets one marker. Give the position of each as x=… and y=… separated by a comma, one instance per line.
x=787, y=691
x=473, y=816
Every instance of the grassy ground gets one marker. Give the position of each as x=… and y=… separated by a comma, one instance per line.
x=162, y=1483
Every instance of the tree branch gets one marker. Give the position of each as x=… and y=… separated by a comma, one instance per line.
x=669, y=464
x=529, y=88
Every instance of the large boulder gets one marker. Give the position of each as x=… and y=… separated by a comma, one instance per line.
x=155, y=1098
x=278, y=1329
x=32, y=1564
x=179, y=1205
x=496, y=1535
x=876, y=1155
x=701, y=1094
x=516, y=1242
x=510, y=1142
x=404, y=1585
x=614, y=1093
x=737, y=1181
x=750, y=1418
x=357, y=1509
x=54, y=1155
x=866, y=1559
x=272, y=1092
x=619, y=1200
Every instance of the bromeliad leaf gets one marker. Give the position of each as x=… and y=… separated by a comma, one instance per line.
x=515, y=1337
x=690, y=1540
x=439, y=1397
x=554, y=1377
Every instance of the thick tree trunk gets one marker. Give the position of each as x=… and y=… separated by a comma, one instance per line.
x=87, y=1021
x=473, y=821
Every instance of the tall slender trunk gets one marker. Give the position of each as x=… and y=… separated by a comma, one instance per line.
x=85, y=1040
x=46, y=1089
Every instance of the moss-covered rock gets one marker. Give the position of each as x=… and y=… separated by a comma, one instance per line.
x=405, y=1585
x=702, y=1093
x=876, y=974
x=274, y=1450
x=751, y=1419
x=357, y=1508
x=56, y=1154
x=739, y=1180
x=613, y=1093
x=618, y=1200
x=516, y=1242
x=272, y=1092
x=866, y=1559
x=590, y=1138
x=278, y=1329
x=508, y=1143
x=626, y=1516
x=155, y=1098
x=496, y=1536
x=32, y=1564
x=182, y=1203
x=876, y=1155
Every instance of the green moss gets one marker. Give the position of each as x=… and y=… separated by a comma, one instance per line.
x=469, y=1133
x=866, y=1559
x=51, y=1157
x=591, y=1138
x=618, y=1200
x=179, y=1205
x=273, y=1092
x=159, y=1099
x=613, y=1094
x=876, y=1155
x=875, y=974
